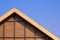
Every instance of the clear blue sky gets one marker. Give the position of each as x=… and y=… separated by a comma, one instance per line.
x=44, y=12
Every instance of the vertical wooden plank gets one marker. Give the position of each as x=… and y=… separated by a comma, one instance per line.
x=9, y=29
x=39, y=39
x=8, y=39
x=19, y=29
x=29, y=30
x=19, y=38
x=1, y=38
x=1, y=30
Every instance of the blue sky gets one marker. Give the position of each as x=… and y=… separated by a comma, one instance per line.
x=44, y=12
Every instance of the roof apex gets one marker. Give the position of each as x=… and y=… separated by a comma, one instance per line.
x=30, y=21
x=8, y=14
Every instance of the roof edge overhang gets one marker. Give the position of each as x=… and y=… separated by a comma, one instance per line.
x=29, y=20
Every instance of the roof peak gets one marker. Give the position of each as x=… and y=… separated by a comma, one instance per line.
x=29, y=20
x=9, y=13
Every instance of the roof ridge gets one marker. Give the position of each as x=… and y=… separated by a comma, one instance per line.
x=30, y=21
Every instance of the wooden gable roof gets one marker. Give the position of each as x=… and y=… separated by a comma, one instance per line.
x=29, y=20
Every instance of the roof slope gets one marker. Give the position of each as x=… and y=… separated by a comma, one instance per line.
x=29, y=20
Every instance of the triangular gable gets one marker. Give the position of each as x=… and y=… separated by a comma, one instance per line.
x=29, y=20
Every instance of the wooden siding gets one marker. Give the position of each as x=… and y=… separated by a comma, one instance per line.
x=15, y=27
